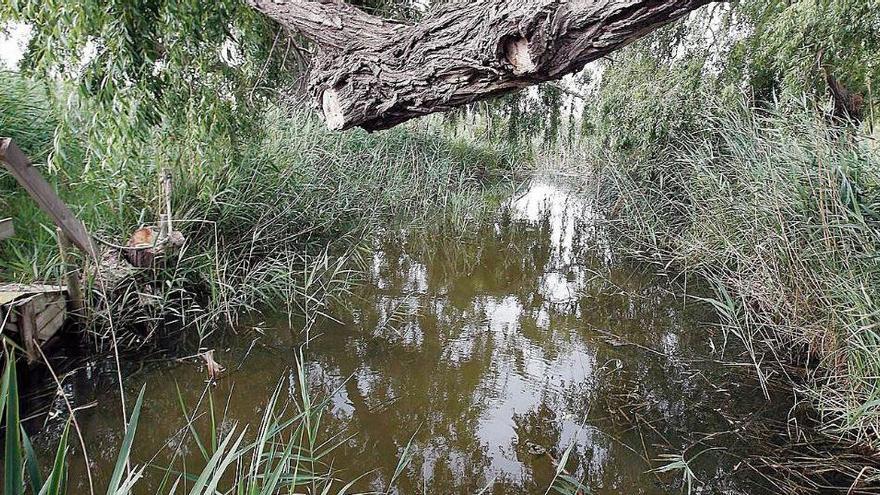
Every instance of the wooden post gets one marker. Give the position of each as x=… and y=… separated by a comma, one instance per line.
x=164, y=227
x=29, y=178
x=6, y=229
x=71, y=274
x=28, y=329
x=166, y=199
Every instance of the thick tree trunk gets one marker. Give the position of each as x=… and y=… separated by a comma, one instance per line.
x=375, y=73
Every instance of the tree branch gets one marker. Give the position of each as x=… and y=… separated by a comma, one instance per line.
x=333, y=24
x=375, y=73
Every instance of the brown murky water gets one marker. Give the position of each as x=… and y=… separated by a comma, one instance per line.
x=530, y=336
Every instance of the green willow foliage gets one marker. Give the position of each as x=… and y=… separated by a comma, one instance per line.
x=781, y=52
x=161, y=82
x=151, y=71
x=644, y=102
x=658, y=92
x=655, y=93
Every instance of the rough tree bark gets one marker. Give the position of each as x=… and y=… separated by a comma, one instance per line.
x=375, y=73
x=847, y=105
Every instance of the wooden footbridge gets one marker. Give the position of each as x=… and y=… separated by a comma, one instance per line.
x=32, y=315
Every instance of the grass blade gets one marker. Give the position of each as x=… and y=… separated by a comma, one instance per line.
x=12, y=464
x=31, y=463
x=125, y=451
x=55, y=484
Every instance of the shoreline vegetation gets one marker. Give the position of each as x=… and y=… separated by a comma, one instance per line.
x=723, y=159
x=281, y=222
x=778, y=213
x=776, y=208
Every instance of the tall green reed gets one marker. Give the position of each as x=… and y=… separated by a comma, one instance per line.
x=277, y=219
x=286, y=453
x=779, y=214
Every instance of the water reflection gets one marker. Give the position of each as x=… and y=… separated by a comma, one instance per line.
x=490, y=355
x=484, y=348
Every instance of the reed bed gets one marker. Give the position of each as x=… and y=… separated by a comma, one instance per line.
x=286, y=450
x=275, y=219
x=778, y=212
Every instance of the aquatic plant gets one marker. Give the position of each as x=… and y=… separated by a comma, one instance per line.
x=778, y=212
x=681, y=463
x=287, y=452
x=20, y=461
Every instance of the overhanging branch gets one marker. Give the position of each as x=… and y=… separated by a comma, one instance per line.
x=375, y=73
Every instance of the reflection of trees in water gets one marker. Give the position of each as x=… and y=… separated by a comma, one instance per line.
x=470, y=347
x=396, y=389
x=448, y=322
x=453, y=331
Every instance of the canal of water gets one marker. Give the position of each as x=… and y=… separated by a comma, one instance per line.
x=495, y=361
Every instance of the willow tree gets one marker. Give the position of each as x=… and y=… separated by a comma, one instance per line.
x=375, y=73
x=138, y=75
x=200, y=70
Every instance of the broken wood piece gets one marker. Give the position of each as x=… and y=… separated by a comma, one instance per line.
x=32, y=313
x=213, y=367
x=6, y=229
x=71, y=274
x=166, y=201
x=164, y=225
x=46, y=197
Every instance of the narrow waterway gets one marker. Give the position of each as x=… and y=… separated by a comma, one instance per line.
x=489, y=359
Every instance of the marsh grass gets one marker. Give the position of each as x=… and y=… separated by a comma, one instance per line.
x=285, y=452
x=276, y=219
x=779, y=214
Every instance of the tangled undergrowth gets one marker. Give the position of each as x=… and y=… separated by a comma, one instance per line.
x=275, y=219
x=781, y=215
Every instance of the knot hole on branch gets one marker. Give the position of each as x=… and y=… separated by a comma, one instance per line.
x=332, y=108
x=516, y=52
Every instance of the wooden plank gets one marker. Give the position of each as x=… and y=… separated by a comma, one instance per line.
x=50, y=319
x=32, y=288
x=8, y=320
x=29, y=331
x=35, y=318
x=31, y=179
x=16, y=292
x=6, y=229
x=7, y=297
x=72, y=273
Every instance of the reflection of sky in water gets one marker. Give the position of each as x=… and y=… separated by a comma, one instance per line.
x=474, y=349
x=543, y=201
x=523, y=377
x=526, y=372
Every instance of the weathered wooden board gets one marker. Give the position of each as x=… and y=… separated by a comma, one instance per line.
x=6, y=228
x=31, y=179
x=11, y=292
x=32, y=314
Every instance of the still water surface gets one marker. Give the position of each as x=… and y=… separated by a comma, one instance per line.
x=490, y=355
